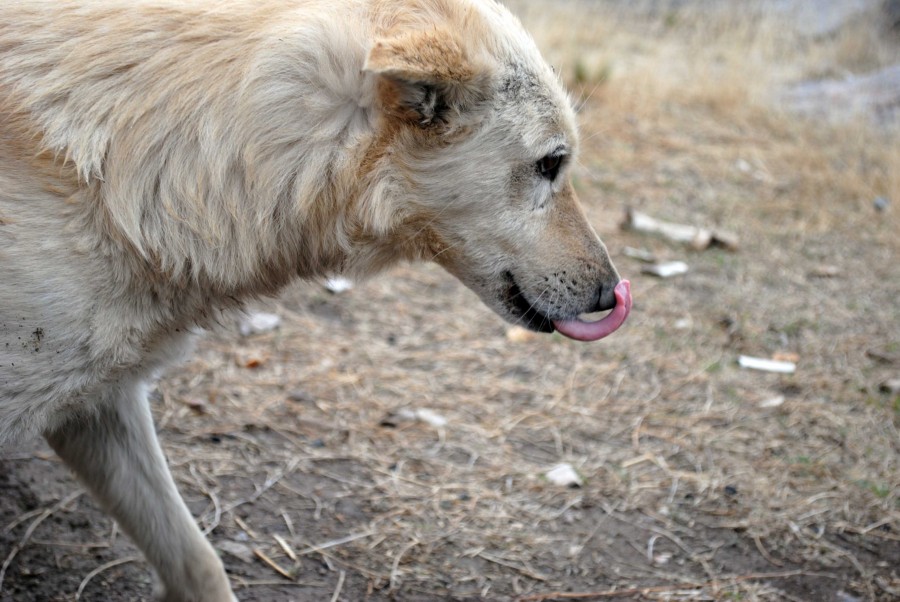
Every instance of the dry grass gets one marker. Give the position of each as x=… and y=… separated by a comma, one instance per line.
x=708, y=79
x=696, y=488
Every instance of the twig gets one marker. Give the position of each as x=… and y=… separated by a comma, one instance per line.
x=524, y=570
x=636, y=434
x=650, y=543
x=217, y=507
x=240, y=523
x=640, y=591
x=289, y=523
x=30, y=530
x=100, y=569
x=764, y=552
x=884, y=521
x=334, y=542
x=277, y=567
x=691, y=554
x=21, y=519
x=286, y=547
x=395, y=567
x=855, y=562
x=338, y=587
x=267, y=484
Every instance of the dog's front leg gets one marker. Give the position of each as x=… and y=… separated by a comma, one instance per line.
x=116, y=454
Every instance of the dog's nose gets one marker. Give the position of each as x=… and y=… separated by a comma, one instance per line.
x=607, y=298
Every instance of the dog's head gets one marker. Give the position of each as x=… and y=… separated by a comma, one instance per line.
x=475, y=145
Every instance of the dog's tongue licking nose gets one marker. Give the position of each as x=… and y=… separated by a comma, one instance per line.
x=592, y=331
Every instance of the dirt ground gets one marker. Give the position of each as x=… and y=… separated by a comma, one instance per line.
x=391, y=442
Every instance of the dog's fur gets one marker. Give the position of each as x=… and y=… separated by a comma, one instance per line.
x=162, y=161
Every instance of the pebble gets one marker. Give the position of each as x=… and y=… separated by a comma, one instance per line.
x=564, y=475
x=338, y=284
x=891, y=386
x=258, y=323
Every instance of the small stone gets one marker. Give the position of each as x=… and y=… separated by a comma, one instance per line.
x=258, y=323
x=772, y=402
x=394, y=419
x=431, y=417
x=338, y=284
x=683, y=324
x=892, y=386
x=564, y=475
x=881, y=203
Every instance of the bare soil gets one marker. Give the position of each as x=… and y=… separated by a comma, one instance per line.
x=301, y=452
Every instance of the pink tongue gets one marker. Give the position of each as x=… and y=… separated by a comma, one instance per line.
x=592, y=331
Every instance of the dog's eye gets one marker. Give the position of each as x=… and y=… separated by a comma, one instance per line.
x=549, y=166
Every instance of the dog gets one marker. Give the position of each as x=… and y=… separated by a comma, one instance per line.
x=162, y=162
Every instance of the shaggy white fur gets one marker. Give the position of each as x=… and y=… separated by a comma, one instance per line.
x=162, y=161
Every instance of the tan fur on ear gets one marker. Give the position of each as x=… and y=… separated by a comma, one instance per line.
x=426, y=74
x=434, y=56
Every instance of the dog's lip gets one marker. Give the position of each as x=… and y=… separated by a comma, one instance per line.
x=526, y=314
x=581, y=330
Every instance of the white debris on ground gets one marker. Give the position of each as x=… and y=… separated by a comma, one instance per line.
x=338, y=284
x=683, y=323
x=772, y=402
x=666, y=269
x=258, y=323
x=696, y=237
x=425, y=415
x=766, y=365
x=430, y=417
x=892, y=386
x=564, y=475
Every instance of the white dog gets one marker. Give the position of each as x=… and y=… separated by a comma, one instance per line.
x=162, y=161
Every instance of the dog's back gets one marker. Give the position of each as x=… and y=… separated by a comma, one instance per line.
x=126, y=216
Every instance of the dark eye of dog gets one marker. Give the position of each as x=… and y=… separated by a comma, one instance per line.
x=549, y=166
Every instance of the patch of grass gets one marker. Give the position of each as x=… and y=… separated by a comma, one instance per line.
x=714, y=367
x=880, y=490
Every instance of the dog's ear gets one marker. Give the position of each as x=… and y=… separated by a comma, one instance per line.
x=425, y=77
